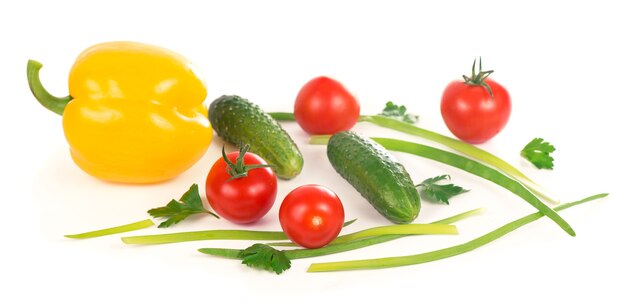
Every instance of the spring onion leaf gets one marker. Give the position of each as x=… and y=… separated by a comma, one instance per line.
x=177, y=210
x=225, y=234
x=538, y=153
x=395, y=111
x=389, y=262
x=469, y=166
x=113, y=230
x=347, y=245
x=265, y=257
x=348, y=223
x=462, y=147
x=439, y=193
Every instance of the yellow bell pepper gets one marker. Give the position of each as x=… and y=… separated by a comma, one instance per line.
x=135, y=112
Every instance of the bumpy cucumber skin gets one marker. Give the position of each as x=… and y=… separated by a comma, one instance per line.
x=377, y=175
x=238, y=121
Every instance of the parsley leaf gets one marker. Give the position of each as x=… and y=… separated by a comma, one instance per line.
x=538, y=153
x=439, y=193
x=265, y=257
x=398, y=112
x=177, y=210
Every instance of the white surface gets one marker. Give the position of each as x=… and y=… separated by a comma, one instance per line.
x=562, y=63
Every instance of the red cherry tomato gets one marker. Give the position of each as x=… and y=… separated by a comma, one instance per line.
x=311, y=216
x=473, y=114
x=245, y=199
x=324, y=106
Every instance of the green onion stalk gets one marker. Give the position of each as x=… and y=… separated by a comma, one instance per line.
x=469, y=166
x=389, y=262
x=353, y=241
x=462, y=147
x=279, y=235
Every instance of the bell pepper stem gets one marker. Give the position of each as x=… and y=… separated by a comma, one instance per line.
x=50, y=102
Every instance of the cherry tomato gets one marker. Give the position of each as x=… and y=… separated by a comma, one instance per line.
x=311, y=216
x=245, y=199
x=471, y=112
x=324, y=106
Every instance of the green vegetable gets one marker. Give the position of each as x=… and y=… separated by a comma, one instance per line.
x=210, y=235
x=239, y=121
x=266, y=258
x=348, y=223
x=538, y=153
x=470, y=166
x=405, y=229
x=394, y=111
x=113, y=230
x=175, y=211
x=439, y=193
x=442, y=253
x=462, y=147
x=377, y=175
x=206, y=235
x=335, y=247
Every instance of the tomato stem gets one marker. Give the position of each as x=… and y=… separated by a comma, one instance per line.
x=239, y=169
x=479, y=79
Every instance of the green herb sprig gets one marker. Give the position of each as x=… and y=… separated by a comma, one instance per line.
x=538, y=153
x=439, y=193
x=177, y=210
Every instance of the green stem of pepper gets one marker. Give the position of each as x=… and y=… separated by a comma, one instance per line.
x=50, y=102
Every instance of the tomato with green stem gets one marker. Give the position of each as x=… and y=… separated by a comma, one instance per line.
x=311, y=216
x=241, y=187
x=324, y=106
x=476, y=109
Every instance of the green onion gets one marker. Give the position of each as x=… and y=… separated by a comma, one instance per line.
x=210, y=235
x=389, y=262
x=462, y=147
x=206, y=235
x=470, y=166
x=113, y=230
x=335, y=247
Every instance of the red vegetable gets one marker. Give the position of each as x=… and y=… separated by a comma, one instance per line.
x=324, y=106
x=243, y=189
x=311, y=216
x=476, y=109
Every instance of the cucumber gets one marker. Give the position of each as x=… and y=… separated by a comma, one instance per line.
x=238, y=121
x=377, y=175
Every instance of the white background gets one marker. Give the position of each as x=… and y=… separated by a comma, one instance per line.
x=563, y=64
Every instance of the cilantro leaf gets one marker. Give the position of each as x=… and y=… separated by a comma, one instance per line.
x=265, y=257
x=538, y=153
x=398, y=112
x=177, y=210
x=439, y=193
